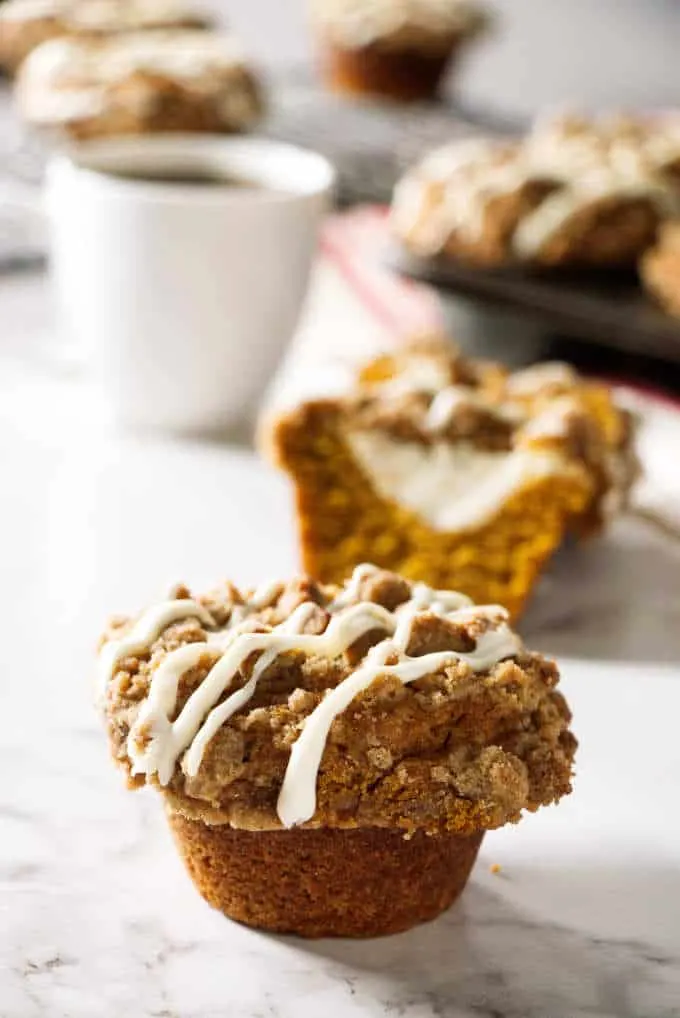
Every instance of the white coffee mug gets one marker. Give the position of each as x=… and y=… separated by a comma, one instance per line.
x=183, y=295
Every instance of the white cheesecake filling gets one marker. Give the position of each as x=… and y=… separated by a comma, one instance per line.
x=450, y=487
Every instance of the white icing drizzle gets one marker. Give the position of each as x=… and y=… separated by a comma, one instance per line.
x=68, y=79
x=155, y=743
x=350, y=592
x=548, y=218
x=448, y=401
x=101, y=15
x=264, y=594
x=219, y=715
x=430, y=203
x=157, y=751
x=439, y=602
x=298, y=619
x=425, y=374
x=114, y=16
x=417, y=377
x=297, y=799
x=450, y=190
x=553, y=422
x=146, y=631
x=169, y=739
x=184, y=53
x=529, y=381
x=444, y=406
x=358, y=23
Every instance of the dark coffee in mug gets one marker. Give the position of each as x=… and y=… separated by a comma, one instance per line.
x=198, y=177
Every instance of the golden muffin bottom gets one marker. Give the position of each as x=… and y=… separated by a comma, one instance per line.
x=405, y=75
x=325, y=882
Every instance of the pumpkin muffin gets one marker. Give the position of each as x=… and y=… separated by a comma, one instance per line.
x=25, y=24
x=396, y=49
x=453, y=471
x=138, y=83
x=572, y=194
x=660, y=269
x=330, y=758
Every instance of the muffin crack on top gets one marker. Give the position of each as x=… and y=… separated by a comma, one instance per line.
x=379, y=704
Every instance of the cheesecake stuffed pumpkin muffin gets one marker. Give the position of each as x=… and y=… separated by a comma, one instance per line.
x=330, y=757
x=453, y=471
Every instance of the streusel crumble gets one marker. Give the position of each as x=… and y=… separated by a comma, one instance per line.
x=572, y=193
x=299, y=721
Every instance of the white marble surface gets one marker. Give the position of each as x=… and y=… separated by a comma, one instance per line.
x=96, y=915
x=98, y=920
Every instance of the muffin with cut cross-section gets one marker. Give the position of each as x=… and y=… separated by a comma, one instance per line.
x=330, y=757
x=453, y=471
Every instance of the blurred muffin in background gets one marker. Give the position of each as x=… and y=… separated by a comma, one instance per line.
x=25, y=24
x=397, y=49
x=139, y=83
x=573, y=193
x=660, y=269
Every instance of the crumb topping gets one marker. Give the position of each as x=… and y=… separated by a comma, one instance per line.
x=429, y=394
x=564, y=169
x=70, y=79
x=424, y=24
x=381, y=703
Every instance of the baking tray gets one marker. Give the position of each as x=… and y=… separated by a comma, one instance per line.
x=606, y=309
